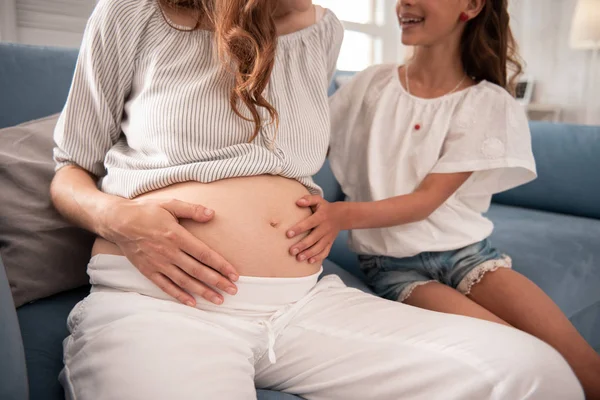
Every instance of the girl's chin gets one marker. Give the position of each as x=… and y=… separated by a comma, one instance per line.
x=414, y=39
x=407, y=40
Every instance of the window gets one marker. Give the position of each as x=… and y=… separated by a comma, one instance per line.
x=360, y=11
x=371, y=32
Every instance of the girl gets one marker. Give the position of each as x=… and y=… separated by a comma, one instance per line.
x=419, y=150
x=166, y=124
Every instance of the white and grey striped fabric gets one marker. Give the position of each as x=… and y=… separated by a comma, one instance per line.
x=149, y=105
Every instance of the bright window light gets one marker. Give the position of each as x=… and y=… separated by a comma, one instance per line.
x=359, y=11
x=371, y=32
x=357, y=51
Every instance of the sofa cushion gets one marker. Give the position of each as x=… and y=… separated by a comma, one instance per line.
x=567, y=158
x=43, y=326
x=561, y=254
x=42, y=253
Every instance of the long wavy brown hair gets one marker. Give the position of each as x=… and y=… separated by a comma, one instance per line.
x=488, y=48
x=246, y=42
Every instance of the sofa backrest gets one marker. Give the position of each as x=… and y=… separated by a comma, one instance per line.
x=34, y=81
x=568, y=163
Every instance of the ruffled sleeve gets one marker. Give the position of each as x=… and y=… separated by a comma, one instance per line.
x=332, y=35
x=489, y=135
x=90, y=123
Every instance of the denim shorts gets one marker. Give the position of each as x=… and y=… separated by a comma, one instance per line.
x=396, y=278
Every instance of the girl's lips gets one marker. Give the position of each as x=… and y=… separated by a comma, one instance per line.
x=410, y=22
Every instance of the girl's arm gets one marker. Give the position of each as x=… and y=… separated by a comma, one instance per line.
x=330, y=218
x=417, y=206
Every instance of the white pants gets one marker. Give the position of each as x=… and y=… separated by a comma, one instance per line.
x=317, y=340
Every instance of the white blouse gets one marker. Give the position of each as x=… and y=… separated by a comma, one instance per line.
x=149, y=105
x=385, y=141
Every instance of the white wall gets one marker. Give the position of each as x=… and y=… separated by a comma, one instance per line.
x=542, y=28
x=44, y=22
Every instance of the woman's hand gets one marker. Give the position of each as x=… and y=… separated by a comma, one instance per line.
x=150, y=236
x=326, y=222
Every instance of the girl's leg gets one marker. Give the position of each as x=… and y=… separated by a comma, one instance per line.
x=438, y=297
x=345, y=344
x=518, y=301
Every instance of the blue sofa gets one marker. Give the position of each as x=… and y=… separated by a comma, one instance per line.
x=550, y=227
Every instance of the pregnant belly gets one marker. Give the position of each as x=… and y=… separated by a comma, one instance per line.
x=252, y=215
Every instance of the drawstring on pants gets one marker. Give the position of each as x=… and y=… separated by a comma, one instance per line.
x=271, y=335
x=268, y=324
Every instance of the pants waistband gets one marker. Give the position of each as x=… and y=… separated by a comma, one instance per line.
x=254, y=293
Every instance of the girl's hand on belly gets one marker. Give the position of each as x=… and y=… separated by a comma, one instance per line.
x=326, y=223
x=150, y=236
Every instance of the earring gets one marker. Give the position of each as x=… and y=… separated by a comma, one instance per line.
x=464, y=17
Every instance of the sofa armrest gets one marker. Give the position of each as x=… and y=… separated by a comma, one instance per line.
x=13, y=374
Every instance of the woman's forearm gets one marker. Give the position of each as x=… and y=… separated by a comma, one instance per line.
x=394, y=211
x=149, y=235
x=76, y=196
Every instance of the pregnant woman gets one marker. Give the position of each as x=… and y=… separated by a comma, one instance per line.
x=224, y=103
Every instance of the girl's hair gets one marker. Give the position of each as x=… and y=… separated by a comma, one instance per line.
x=246, y=42
x=488, y=48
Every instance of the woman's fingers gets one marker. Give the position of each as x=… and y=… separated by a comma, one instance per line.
x=173, y=278
x=167, y=286
x=196, y=272
x=181, y=209
x=205, y=256
x=180, y=278
x=168, y=254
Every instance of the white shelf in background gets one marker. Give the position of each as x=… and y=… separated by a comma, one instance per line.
x=544, y=112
